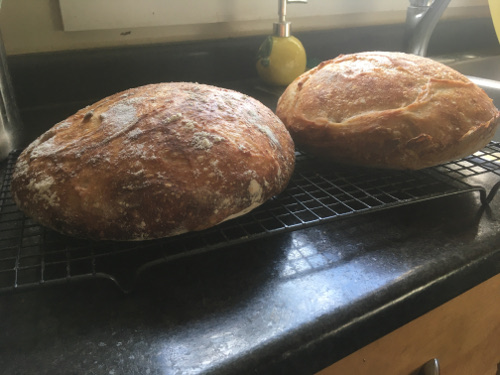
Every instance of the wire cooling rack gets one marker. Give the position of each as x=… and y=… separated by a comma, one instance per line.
x=34, y=256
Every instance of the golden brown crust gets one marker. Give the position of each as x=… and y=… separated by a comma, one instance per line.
x=154, y=161
x=387, y=109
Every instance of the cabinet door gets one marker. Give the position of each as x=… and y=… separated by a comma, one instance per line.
x=463, y=334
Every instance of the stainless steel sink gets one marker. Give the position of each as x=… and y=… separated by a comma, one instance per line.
x=484, y=67
x=484, y=71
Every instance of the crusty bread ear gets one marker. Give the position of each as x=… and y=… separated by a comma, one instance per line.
x=154, y=161
x=387, y=110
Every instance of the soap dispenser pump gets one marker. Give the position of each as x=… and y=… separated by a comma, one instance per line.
x=281, y=57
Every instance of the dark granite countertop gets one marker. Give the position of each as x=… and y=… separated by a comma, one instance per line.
x=291, y=303
x=260, y=307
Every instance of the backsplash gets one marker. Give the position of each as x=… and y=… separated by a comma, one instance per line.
x=37, y=26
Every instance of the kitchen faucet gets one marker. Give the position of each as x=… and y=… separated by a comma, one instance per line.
x=421, y=19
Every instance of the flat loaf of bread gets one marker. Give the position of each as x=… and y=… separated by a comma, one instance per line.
x=154, y=161
x=387, y=110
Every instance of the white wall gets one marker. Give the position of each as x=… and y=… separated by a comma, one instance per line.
x=81, y=15
x=30, y=26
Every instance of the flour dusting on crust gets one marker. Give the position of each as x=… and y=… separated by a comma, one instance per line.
x=119, y=117
x=154, y=161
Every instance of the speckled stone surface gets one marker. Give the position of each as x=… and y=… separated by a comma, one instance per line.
x=294, y=303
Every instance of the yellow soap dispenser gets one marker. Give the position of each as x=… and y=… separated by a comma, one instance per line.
x=281, y=57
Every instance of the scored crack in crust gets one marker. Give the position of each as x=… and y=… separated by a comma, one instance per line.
x=388, y=110
x=154, y=161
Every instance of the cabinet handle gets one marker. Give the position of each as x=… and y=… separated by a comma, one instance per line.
x=430, y=368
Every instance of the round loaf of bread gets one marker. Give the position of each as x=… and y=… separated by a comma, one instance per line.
x=387, y=110
x=154, y=161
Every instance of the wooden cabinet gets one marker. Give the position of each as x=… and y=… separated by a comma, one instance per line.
x=463, y=334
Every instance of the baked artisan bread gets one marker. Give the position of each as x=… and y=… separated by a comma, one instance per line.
x=387, y=110
x=154, y=161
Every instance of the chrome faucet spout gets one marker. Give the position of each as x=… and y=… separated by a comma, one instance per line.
x=422, y=17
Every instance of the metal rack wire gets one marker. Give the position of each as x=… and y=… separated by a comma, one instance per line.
x=33, y=256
